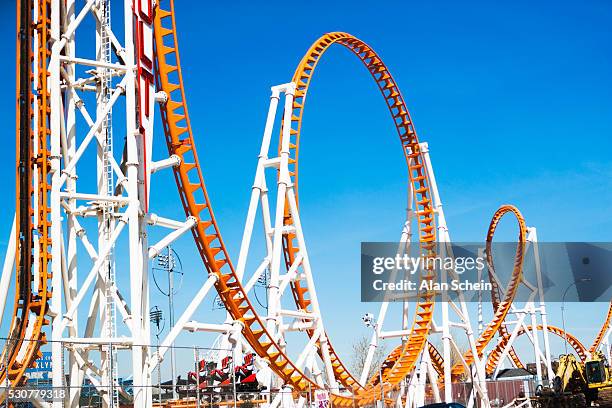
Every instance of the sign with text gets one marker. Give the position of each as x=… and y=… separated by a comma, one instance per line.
x=551, y=271
x=42, y=368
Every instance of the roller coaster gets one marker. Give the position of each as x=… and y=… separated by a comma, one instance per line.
x=65, y=139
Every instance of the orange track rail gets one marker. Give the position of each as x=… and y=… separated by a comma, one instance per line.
x=504, y=306
x=31, y=307
x=32, y=210
x=501, y=307
x=406, y=358
x=214, y=254
x=602, y=331
x=495, y=294
x=573, y=341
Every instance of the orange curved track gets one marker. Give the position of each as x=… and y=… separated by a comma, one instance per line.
x=32, y=212
x=495, y=355
x=495, y=290
x=406, y=358
x=503, y=307
x=32, y=257
x=602, y=331
x=191, y=185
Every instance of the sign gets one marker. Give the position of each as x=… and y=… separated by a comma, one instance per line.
x=42, y=368
x=321, y=399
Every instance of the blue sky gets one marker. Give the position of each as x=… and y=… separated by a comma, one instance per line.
x=514, y=99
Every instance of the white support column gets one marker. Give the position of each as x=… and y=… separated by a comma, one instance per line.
x=421, y=384
x=274, y=231
x=274, y=306
x=373, y=343
x=258, y=184
x=536, y=344
x=136, y=249
x=57, y=373
x=443, y=237
x=533, y=238
x=461, y=311
x=77, y=374
x=433, y=377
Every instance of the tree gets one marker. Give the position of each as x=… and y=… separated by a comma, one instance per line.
x=360, y=352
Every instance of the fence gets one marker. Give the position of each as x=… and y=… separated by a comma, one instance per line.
x=195, y=380
x=500, y=392
x=204, y=377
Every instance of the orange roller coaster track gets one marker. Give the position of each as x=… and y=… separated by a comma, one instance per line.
x=602, y=331
x=495, y=292
x=578, y=347
x=208, y=237
x=404, y=361
x=503, y=307
x=32, y=255
x=500, y=307
x=32, y=282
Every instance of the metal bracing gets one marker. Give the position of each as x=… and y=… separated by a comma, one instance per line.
x=71, y=113
x=274, y=231
x=120, y=211
x=529, y=318
x=454, y=313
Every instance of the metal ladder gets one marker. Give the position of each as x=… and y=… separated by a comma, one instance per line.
x=108, y=208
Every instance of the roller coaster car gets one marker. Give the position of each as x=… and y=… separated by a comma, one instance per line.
x=246, y=380
x=222, y=375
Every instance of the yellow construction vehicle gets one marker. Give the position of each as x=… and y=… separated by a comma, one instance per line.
x=568, y=386
x=598, y=379
x=578, y=384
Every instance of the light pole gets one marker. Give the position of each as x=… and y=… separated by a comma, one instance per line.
x=156, y=318
x=168, y=263
x=574, y=283
x=370, y=321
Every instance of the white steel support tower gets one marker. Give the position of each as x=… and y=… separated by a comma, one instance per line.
x=280, y=319
x=112, y=191
x=106, y=221
x=102, y=103
x=454, y=313
x=530, y=318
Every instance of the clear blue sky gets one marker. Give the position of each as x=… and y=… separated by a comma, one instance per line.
x=514, y=99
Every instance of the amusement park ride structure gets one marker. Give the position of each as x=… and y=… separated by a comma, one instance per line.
x=65, y=203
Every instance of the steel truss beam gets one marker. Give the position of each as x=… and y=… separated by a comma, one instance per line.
x=459, y=316
x=274, y=231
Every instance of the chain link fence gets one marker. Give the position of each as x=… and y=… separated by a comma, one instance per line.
x=204, y=377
